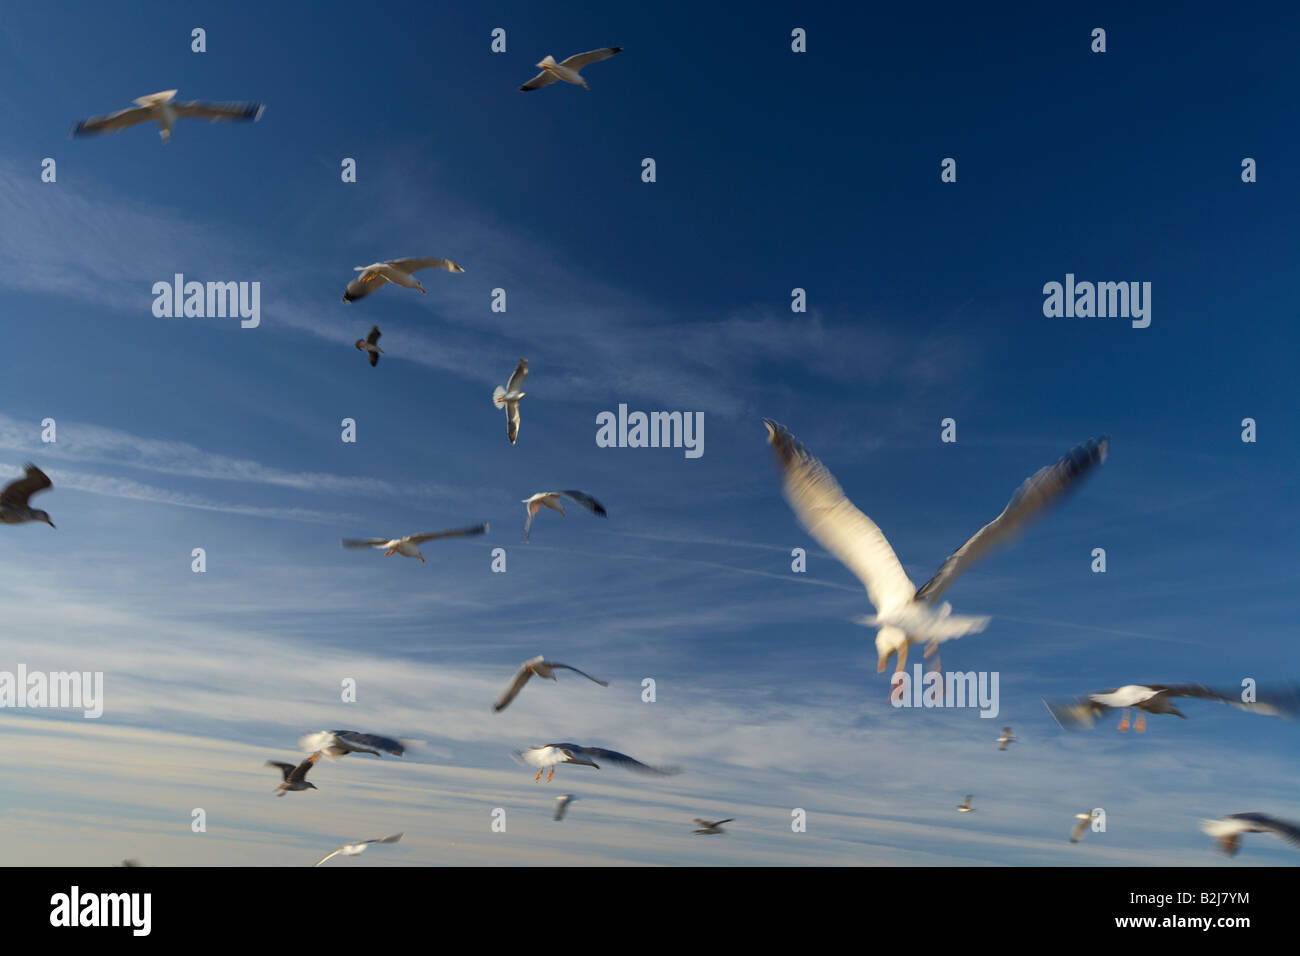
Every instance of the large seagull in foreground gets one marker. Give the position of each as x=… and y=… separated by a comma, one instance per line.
x=1228, y=830
x=906, y=615
x=568, y=69
x=1082, y=713
x=396, y=271
x=159, y=108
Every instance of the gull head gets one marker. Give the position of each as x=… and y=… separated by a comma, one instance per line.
x=38, y=515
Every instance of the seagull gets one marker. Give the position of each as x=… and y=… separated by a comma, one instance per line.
x=338, y=743
x=295, y=778
x=906, y=615
x=568, y=69
x=15, y=495
x=965, y=806
x=1228, y=830
x=159, y=108
x=132, y=862
x=551, y=755
x=370, y=344
x=1006, y=738
x=1082, y=713
x=706, y=827
x=409, y=546
x=562, y=803
x=551, y=499
x=352, y=849
x=543, y=668
x=1081, y=827
x=508, y=398
x=396, y=271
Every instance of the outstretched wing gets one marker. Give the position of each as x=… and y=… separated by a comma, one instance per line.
x=367, y=282
x=588, y=502
x=219, y=112
x=579, y=60
x=1077, y=833
x=517, y=376
x=512, y=421
x=1287, y=831
x=430, y=262
x=1284, y=703
x=1079, y=714
x=510, y=693
x=374, y=741
x=374, y=335
x=300, y=771
x=364, y=542
x=822, y=508
x=469, y=532
x=284, y=768
x=602, y=683
x=114, y=121
x=544, y=78
x=1039, y=491
x=623, y=760
x=16, y=493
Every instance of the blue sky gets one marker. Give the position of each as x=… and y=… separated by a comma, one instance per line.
x=774, y=171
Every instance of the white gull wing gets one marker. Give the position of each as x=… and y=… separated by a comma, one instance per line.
x=469, y=532
x=416, y=264
x=517, y=377
x=352, y=849
x=579, y=60
x=115, y=121
x=544, y=78
x=822, y=508
x=219, y=112
x=522, y=676
x=512, y=421
x=1031, y=499
x=365, y=542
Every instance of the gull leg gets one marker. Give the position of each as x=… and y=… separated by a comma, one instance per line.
x=551, y=774
x=390, y=551
x=931, y=648
x=1123, y=722
x=422, y=559
x=902, y=658
x=539, y=775
x=1140, y=725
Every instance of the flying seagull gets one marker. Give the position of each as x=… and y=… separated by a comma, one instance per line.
x=1082, y=713
x=965, y=806
x=352, y=849
x=1007, y=738
x=561, y=804
x=568, y=69
x=706, y=827
x=1228, y=830
x=1081, y=827
x=371, y=344
x=551, y=499
x=508, y=398
x=295, y=778
x=409, y=546
x=337, y=743
x=159, y=108
x=15, y=495
x=906, y=615
x=551, y=755
x=396, y=271
x=543, y=668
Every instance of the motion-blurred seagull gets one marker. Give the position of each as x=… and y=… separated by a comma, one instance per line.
x=904, y=614
x=295, y=778
x=409, y=546
x=551, y=499
x=1082, y=713
x=964, y=806
x=1007, y=738
x=567, y=70
x=543, y=668
x=551, y=755
x=508, y=398
x=14, y=497
x=352, y=849
x=1228, y=830
x=562, y=803
x=159, y=108
x=1081, y=827
x=337, y=743
x=370, y=344
x=715, y=827
x=396, y=271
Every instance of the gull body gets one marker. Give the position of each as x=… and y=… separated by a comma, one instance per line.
x=353, y=849
x=370, y=344
x=15, y=497
x=409, y=546
x=551, y=499
x=160, y=108
x=338, y=743
x=715, y=827
x=905, y=614
x=1007, y=738
x=567, y=70
x=964, y=806
x=562, y=804
x=396, y=271
x=509, y=396
x=538, y=666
